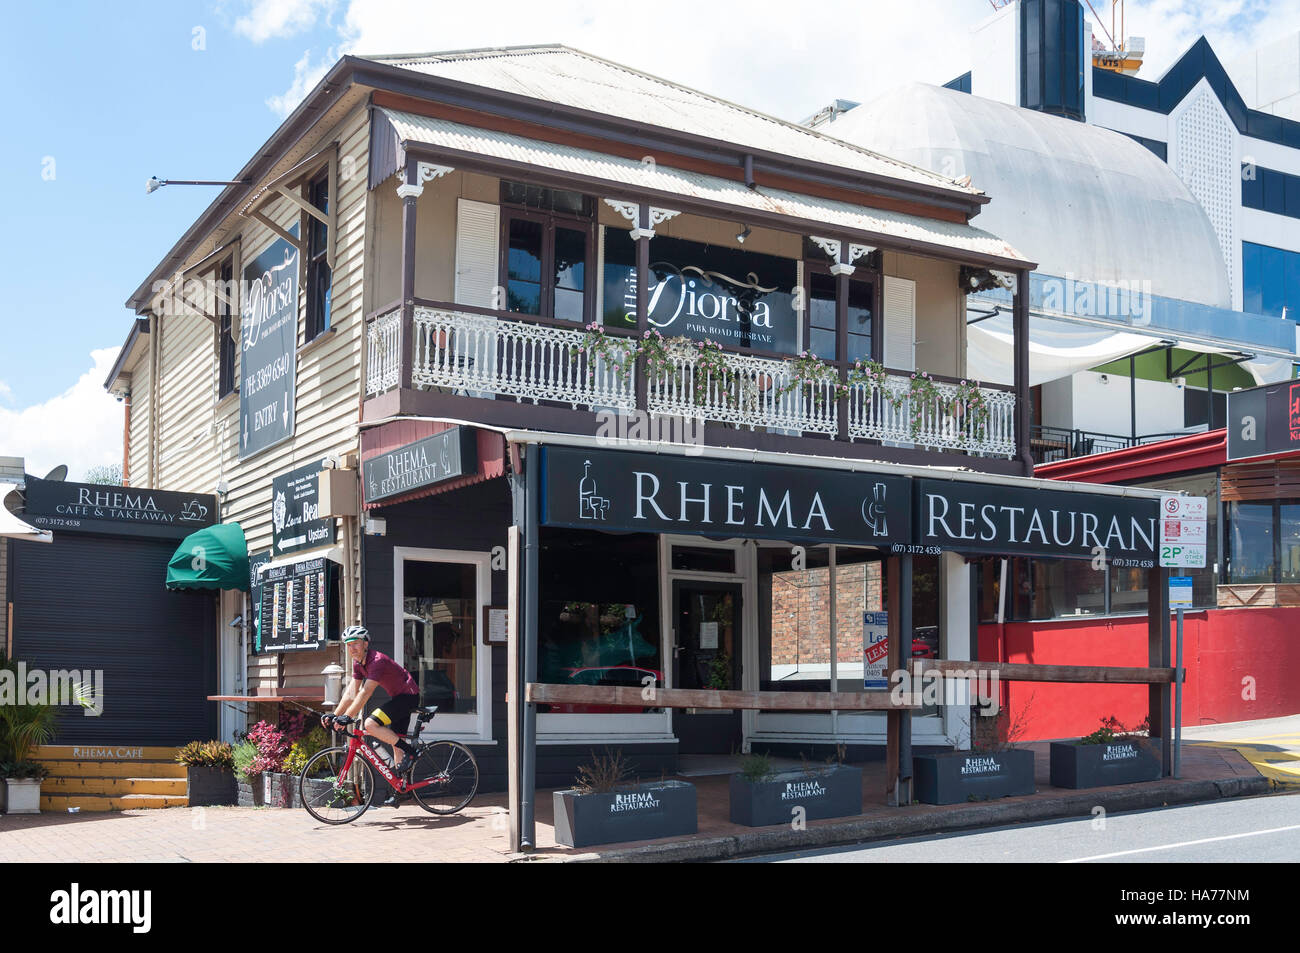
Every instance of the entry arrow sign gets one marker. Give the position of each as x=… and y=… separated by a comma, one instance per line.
x=284, y=544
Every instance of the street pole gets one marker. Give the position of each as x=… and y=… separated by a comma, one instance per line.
x=1178, y=694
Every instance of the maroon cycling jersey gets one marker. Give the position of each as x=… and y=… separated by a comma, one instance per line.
x=392, y=677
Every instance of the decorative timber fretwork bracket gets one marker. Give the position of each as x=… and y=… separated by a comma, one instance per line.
x=287, y=186
x=843, y=256
x=424, y=172
x=632, y=212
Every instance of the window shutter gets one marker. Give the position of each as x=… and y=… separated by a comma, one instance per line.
x=900, y=324
x=477, y=233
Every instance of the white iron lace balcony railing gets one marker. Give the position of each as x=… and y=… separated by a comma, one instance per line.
x=891, y=414
x=482, y=356
x=751, y=392
x=384, y=353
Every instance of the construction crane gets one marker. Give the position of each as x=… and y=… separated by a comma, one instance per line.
x=1116, y=54
x=1122, y=55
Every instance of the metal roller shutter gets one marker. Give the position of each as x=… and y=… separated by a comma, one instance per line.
x=98, y=602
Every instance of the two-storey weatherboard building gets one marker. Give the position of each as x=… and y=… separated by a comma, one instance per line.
x=584, y=380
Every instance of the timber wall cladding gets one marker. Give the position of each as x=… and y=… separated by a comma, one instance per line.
x=801, y=613
x=1276, y=480
x=198, y=437
x=141, y=415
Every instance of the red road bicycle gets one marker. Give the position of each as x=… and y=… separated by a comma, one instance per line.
x=336, y=786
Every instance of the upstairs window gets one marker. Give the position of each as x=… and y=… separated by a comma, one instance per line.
x=821, y=315
x=225, y=335
x=547, y=249
x=319, y=276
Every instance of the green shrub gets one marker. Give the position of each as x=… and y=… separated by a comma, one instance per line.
x=245, y=753
x=206, y=754
x=757, y=768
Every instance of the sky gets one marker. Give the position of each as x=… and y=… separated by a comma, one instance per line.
x=104, y=95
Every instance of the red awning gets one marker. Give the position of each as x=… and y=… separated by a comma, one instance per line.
x=398, y=433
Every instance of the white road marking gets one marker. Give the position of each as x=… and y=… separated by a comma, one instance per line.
x=1186, y=843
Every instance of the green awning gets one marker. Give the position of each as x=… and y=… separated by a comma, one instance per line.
x=212, y=558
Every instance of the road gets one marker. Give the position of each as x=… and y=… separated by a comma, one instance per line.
x=1249, y=830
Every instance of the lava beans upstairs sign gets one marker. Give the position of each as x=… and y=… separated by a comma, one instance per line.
x=295, y=511
x=123, y=510
x=1264, y=421
x=427, y=462
x=989, y=517
x=668, y=493
x=268, y=342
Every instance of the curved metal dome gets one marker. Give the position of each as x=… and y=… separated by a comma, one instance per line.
x=1080, y=200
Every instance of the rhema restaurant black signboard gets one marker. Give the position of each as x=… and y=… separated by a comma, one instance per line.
x=268, y=342
x=992, y=518
x=671, y=493
x=299, y=605
x=1264, y=421
x=123, y=510
x=427, y=462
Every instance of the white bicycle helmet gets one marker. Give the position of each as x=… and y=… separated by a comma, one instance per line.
x=355, y=633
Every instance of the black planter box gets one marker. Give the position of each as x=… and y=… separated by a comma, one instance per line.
x=211, y=787
x=642, y=812
x=1095, y=766
x=953, y=777
x=821, y=792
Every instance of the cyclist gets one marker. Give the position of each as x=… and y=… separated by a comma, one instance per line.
x=371, y=669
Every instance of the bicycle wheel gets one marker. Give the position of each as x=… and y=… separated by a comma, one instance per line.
x=454, y=773
x=330, y=800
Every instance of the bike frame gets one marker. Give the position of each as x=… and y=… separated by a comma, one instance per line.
x=357, y=745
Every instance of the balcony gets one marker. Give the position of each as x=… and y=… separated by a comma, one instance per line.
x=472, y=353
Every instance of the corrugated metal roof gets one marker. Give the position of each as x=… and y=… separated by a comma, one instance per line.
x=573, y=78
x=617, y=170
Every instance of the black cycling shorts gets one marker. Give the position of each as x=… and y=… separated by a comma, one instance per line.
x=396, y=713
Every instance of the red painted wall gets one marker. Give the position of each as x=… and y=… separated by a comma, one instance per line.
x=1221, y=649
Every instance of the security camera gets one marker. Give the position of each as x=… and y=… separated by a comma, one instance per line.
x=223, y=488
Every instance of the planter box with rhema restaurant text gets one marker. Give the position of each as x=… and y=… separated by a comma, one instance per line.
x=822, y=792
x=953, y=777
x=639, y=812
x=1122, y=761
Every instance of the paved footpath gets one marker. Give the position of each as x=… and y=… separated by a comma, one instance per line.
x=266, y=835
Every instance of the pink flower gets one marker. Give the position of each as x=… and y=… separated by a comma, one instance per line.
x=646, y=335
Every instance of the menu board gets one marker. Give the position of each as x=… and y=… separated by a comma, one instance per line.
x=299, y=605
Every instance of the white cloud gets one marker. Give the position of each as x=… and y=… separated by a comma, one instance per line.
x=765, y=55
x=82, y=427
x=305, y=76
x=275, y=19
x=6, y=393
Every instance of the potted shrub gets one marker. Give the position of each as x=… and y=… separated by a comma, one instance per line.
x=760, y=795
x=23, y=786
x=993, y=768
x=210, y=773
x=1110, y=755
x=24, y=728
x=605, y=806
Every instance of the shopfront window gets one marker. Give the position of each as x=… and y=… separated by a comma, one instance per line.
x=440, y=632
x=1251, y=542
x=1289, y=542
x=598, y=613
x=794, y=616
